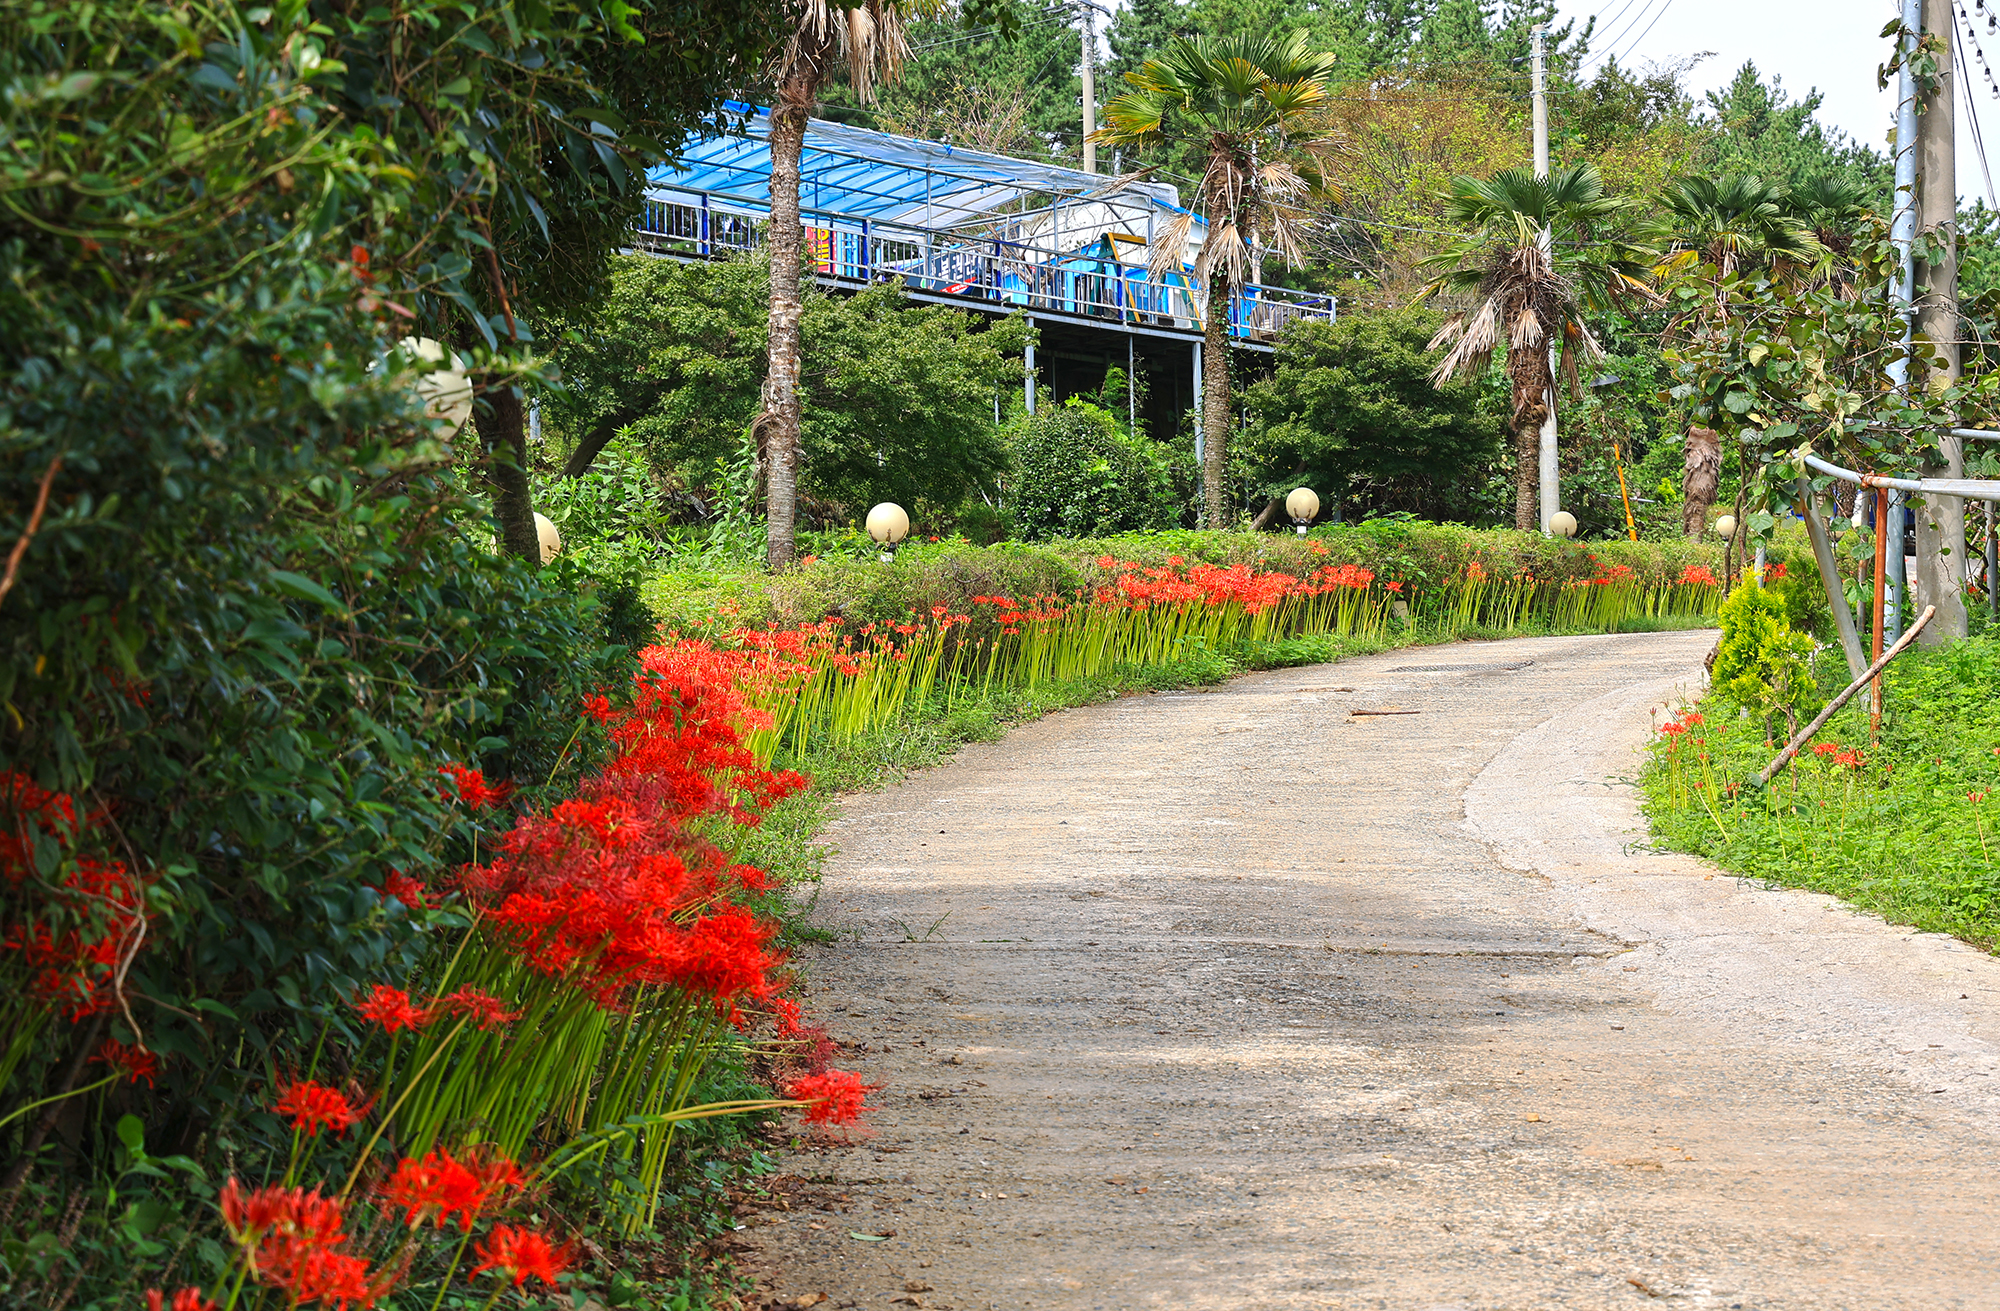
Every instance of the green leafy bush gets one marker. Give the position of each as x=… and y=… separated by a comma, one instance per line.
x=1761, y=664
x=1077, y=474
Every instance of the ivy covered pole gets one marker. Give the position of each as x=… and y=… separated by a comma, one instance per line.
x=1940, y=519
x=1903, y=231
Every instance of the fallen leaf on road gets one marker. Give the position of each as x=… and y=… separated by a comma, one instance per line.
x=884, y=1236
x=916, y=1286
x=1645, y=1288
x=802, y=1301
x=1531, y=1117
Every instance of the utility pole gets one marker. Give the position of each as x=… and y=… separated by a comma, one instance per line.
x=1551, y=474
x=1902, y=232
x=1940, y=519
x=1089, y=90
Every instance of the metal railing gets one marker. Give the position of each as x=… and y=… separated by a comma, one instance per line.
x=1092, y=283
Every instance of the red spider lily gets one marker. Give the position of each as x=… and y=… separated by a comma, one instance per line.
x=136, y=1062
x=439, y=1186
x=1673, y=728
x=187, y=1299
x=611, y=890
x=1826, y=748
x=837, y=1097
x=598, y=708
x=293, y=1240
x=471, y=787
x=251, y=1215
x=1699, y=573
x=97, y=908
x=479, y=1006
x=405, y=889
x=521, y=1253
x=314, y=1106
x=392, y=1009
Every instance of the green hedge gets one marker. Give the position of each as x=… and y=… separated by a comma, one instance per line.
x=851, y=582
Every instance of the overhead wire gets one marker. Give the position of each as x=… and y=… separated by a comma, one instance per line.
x=1611, y=42
x=1649, y=28
x=1960, y=41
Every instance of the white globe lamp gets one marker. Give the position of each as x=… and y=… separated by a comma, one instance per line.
x=551, y=540
x=446, y=392
x=1303, y=507
x=1562, y=524
x=888, y=524
x=1725, y=527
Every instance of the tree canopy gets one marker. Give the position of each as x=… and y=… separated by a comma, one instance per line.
x=898, y=398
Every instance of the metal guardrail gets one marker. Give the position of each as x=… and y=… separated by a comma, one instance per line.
x=1971, y=489
x=1091, y=283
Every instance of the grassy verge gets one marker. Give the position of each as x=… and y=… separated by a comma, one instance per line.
x=1904, y=826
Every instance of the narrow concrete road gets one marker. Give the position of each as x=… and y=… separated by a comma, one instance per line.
x=1239, y=999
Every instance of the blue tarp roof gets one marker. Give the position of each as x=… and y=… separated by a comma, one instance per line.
x=885, y=177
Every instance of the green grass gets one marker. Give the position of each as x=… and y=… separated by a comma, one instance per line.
x=1910, y=834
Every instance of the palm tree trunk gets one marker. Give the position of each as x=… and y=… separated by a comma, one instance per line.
x=1527, y=475
x=1215, y=401
x=778, y=425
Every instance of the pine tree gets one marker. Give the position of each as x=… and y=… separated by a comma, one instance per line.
x=1761, y=130
x=1140, y=30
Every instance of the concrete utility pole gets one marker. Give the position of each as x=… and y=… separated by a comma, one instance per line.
x=1902, y=231
x=1940, y=519
x=1089, y=90
x=1551, y=475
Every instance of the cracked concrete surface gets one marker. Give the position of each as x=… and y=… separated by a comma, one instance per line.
x=1237, y=999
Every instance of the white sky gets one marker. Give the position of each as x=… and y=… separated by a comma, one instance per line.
x=1828, y=44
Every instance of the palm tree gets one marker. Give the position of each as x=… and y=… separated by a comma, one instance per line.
x=1249, y=105
x=1730, y=226
x=1541, y=252
x=1719, y=231
x=870, y=41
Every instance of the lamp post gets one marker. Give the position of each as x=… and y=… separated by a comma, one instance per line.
x=1562, y=524
x=888, y=524
x=1303, y=507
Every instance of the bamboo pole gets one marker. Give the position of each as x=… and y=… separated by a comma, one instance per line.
x=1847, y=694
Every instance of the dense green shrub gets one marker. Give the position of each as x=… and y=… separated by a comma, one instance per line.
x=1907, y=826
x=1761, y=664
x=898, y=397
x=1077, y=474
x=1352, y=412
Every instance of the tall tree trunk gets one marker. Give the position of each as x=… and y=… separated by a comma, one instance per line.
x=1701, y=476
x=503, y=434
x=1215, y=401
x=1527, y=474
x=1940, y=573
x=1533, y=389
x=778, y=425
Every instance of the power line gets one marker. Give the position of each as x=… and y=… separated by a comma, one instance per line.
x=1649, y=28
x=1611, y=42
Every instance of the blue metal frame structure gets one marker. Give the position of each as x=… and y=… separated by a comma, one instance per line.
x=954, y=224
